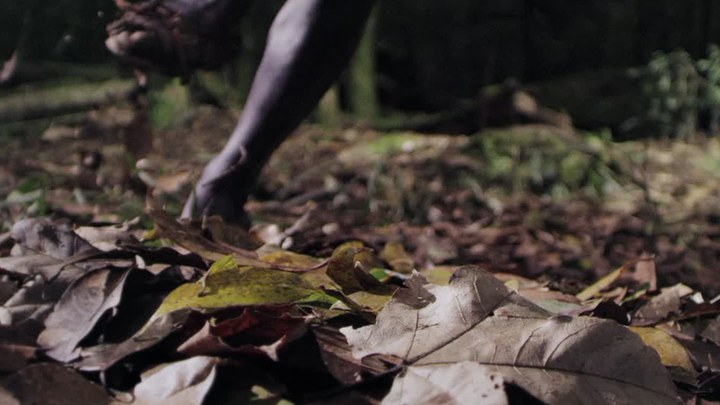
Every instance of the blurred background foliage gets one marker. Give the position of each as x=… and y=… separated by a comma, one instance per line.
x=432, y=56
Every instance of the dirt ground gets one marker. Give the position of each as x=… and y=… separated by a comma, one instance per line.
x=562, y=208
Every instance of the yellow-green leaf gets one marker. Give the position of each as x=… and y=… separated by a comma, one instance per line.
x=394, y=253
x=439, y=275
x=364, y=255
x=291, y=259
x=605, y=282
x=227, y=285
x=369, y=301
x=672, y=353
x=346, y=268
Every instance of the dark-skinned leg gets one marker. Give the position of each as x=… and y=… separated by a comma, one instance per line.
x=309, y=44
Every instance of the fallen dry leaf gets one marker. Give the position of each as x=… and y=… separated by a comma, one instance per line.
x=337, y=356
x=45, y=256
x=105, y=238
x=102, y=357
x=464, y=382
x=193, y=239
x=172, y=183
x=254, y=330
x=712, y=330
x=43, y=248
x=186, y=382
x=346, y=268
x=53, y=384
x=291, y=259
x=646, y=272
x=399, y=260
x=557, y=359
x=7, y=398
x=672, y=354
x=206, y=380
x=439, y=275
x=40, y=235
x=605, y=282
x=84, y=303
x=666, y=303
x=14, y=358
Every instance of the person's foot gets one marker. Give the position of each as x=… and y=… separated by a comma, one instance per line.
x=222, y=190
x=204, y=202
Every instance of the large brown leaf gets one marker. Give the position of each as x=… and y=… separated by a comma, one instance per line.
x=102, y=357
x=41, y=256
x=84, y=303
x=478, y=319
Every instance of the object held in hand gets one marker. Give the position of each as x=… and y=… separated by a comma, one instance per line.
x=176, y=37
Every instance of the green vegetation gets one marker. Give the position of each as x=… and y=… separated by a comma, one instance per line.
x=671, y=84
x=169, y=105
x=710, y=95
x=362, y=87
x=679, y=90
x=543, y=162
x=31, y=193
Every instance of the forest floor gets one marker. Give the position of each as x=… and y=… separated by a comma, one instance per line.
x=529, y=200
x=550, y=210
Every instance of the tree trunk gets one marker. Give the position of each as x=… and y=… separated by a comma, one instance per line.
x=362, y=87
x=328, y=111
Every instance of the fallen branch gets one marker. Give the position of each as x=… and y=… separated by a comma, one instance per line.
x=18, y=71
x=65, y=99
x=495, y=107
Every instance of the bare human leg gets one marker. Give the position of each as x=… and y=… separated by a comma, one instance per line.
x=309, y=44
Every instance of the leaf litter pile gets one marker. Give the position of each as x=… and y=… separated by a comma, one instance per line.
x=373, y=280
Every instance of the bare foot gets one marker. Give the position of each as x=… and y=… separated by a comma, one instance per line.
x=222, y=190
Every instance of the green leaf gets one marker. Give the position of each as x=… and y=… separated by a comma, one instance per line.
x=228, y=285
